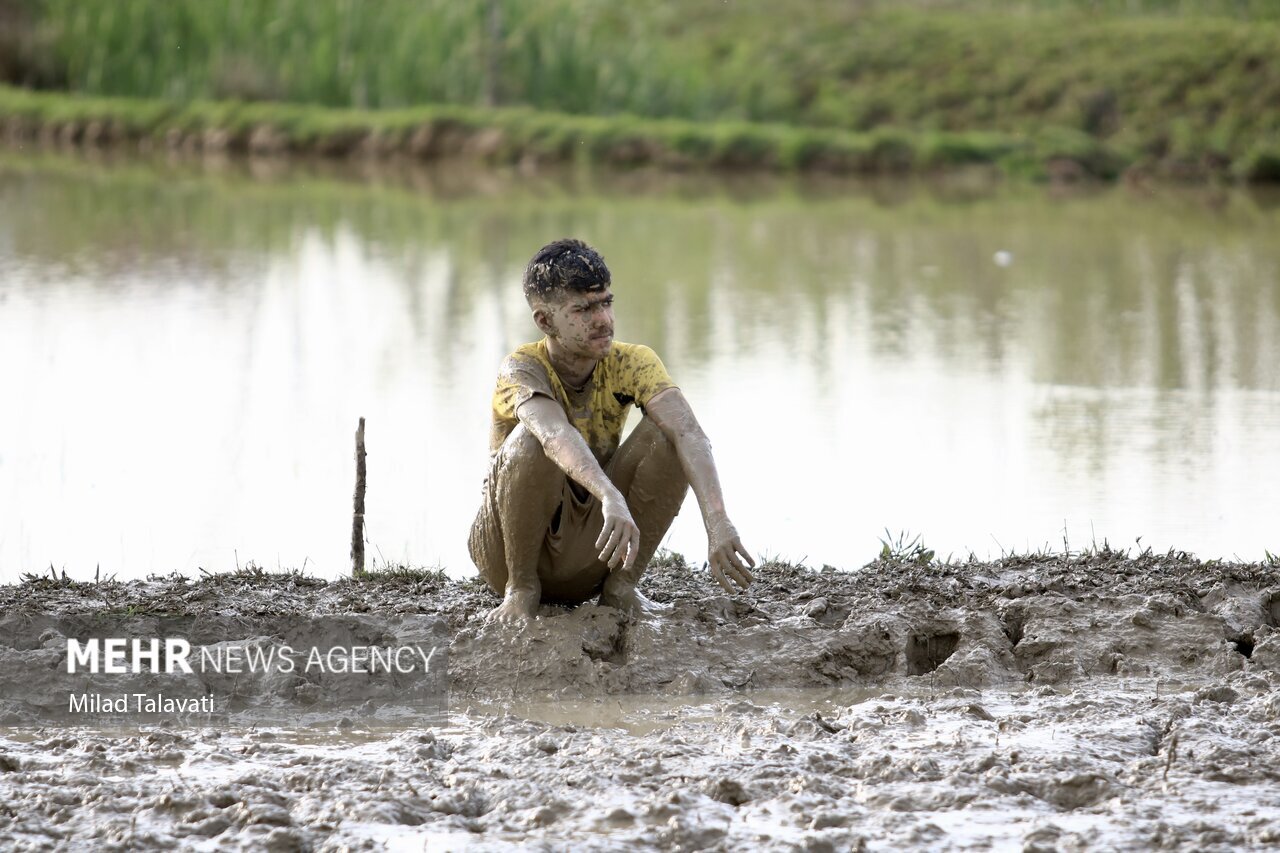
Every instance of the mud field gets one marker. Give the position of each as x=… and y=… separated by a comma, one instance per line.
x=1101, y=701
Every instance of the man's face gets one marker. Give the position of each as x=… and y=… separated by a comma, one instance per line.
x=582, y=323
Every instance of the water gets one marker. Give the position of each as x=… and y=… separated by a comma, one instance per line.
x=1115, y=764
x=187, y=351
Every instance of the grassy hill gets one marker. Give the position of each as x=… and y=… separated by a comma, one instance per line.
x=1179, y=88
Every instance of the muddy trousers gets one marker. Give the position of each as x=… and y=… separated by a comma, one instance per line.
x=531, y=516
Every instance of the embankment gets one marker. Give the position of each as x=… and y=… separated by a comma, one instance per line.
x=1040, y=704
x=1066, y=89
x=507, y=136
x=1033, y=620
x=528, y=139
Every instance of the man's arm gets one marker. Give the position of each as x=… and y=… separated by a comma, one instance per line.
x=619, y=539
x=672, y=414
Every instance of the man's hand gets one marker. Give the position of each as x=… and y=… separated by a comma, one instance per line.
x=619, y=539
x=725, y=555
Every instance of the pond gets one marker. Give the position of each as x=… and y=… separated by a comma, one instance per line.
x=187, y=350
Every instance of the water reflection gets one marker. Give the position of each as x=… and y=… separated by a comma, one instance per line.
x=187, y=356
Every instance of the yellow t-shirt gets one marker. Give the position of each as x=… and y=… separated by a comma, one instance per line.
x=631, y=374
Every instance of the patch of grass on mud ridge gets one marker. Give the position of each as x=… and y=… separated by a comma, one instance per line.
x=901, y=549
x=53, y=580
x=250, y=575
x=400, y=575
x=665, y=559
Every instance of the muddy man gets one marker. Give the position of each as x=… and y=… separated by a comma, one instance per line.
x=567, y=513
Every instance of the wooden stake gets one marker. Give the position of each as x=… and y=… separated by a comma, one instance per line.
x=357, y=521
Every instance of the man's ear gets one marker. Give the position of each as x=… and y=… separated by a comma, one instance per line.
x=542, y=318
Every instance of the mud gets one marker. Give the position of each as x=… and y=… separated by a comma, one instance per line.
x=1034, y=703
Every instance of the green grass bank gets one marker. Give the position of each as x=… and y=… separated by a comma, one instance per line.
x=513, y=135
x=1046, y=87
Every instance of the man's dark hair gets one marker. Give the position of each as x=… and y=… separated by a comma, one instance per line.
x=564, y=265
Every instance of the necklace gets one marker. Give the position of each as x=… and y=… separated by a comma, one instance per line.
x=577, y=388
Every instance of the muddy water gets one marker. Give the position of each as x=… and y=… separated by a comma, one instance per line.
x=1051, y=704
x=188, y=352
x=1052, y=770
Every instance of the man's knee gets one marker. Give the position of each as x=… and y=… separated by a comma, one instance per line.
x=522, y=451
x=659, y=451
x=523, y=471
x=659, y=479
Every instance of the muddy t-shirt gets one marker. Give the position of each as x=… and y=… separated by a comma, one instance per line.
x=631, y=374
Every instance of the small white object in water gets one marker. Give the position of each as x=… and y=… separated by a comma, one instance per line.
x=1002, y=258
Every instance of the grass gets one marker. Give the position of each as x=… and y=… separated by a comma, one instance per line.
x=904, y=548
x=53, y=580
x=401, y=575
x=901, y=549
x=1165, y=86
x=495, y=136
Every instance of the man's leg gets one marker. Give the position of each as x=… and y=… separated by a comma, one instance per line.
x=521, y=496
x=646, y=469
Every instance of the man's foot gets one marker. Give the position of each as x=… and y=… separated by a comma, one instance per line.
x=514, y=610
x=625, y=597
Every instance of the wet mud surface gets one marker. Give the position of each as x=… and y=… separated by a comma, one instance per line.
x=1030, y=704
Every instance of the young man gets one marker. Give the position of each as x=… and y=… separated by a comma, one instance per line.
x=568, y=513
